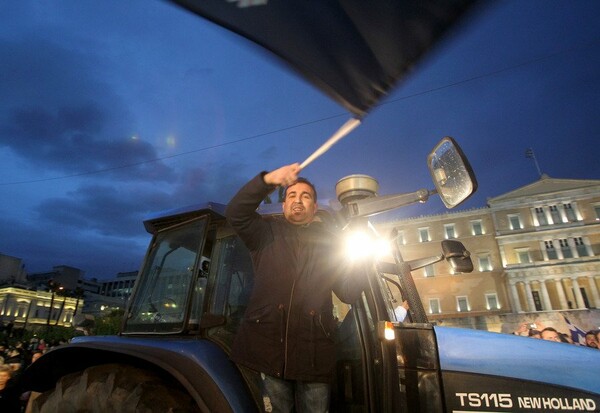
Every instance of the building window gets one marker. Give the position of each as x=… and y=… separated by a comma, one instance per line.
x=476, y=227
x=400, y=238
x=462, y=304
x=581, y=247
x=424, y=235
x=570, y=213
x=492, y=301
x=434, y=306
x=597, y=211
x=515, y=221
x=429, y=271
x=541, y=216
x=550, y=250
x=485, y=263
x=565, y=248
x=523, y=256
x=450, y=231
x=556, y=218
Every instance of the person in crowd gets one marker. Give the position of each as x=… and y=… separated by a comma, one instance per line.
x=533, y=333
x=565, y=338
x=550, y=334
x=590, y=339
x=9, y=391
x=401, y=311
x=36, y=355
x=287, y=331
x=14, y=360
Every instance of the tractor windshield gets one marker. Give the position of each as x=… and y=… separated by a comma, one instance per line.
x=163, y=289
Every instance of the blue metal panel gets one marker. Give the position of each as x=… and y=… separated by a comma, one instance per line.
x=525, y=358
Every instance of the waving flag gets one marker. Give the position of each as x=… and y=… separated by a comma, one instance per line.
x=355, y=51
x=577, y=334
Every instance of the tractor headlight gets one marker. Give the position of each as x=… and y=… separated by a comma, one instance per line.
x=361, y=244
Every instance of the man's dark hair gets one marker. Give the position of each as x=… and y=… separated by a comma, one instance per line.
x=303, y=181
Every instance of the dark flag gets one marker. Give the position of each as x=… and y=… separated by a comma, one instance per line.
x=353, y=50
x=529, y=153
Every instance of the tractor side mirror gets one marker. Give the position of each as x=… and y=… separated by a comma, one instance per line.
x=451, y=172
x=457, y=255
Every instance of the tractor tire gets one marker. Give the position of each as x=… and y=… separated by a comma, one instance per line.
x=114, y=388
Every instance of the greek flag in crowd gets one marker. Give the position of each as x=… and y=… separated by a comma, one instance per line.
x=577, y=334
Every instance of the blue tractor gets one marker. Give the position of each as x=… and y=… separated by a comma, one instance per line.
x=190, y=297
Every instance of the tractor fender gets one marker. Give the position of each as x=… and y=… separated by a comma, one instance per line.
x=201, y=367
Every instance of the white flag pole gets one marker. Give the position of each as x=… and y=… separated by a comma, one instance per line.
x=341, y=132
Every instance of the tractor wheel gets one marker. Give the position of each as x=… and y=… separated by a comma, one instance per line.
x=114, y=388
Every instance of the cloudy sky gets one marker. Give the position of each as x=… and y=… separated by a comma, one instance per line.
x=112, y=110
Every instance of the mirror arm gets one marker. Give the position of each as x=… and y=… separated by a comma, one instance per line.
x=375, y=205
x=424, y=262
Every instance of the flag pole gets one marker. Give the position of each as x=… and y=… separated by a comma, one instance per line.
x=344, y=130
x=531, y=155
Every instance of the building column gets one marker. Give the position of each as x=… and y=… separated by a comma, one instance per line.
x=530, y=303
x=545, y=296
x=514, y=295
x=564, y=305
x=594, y=289
x=578, y=297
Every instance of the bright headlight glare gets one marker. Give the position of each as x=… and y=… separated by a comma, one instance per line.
x=361, y=244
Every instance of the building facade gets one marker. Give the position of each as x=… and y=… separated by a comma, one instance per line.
x=28, y=309
x=548, y=234
x=535, y=252
x=12, y=270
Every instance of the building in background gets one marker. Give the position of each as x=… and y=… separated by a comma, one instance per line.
x=110, y=294
x=26, y=309
x=12, y=270
x=535, y=250
x=63, y=275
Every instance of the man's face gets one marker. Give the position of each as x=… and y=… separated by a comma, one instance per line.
x=550, y=336
x=299, y=206
x=590, y=340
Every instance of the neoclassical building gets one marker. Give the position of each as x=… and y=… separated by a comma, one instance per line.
x=26, y=308
x=548, y=234
x=535, y=250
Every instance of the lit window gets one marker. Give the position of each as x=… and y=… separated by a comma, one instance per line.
x=597, y=211
x=581, y=247
x=434, y=306
x=424, y=234
x=570, y=212
x=523, y=256
x=450, y=231
x=476, y=227
x=565, y=248
x=462, y=304
x=550, y=250
x=556, y=218
x=400, y=238
x=485, y=263
x=515, y=221
x=541, y=216
x=492, y=301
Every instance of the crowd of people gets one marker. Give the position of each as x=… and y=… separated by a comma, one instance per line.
x=15, y=357
x=536, y=330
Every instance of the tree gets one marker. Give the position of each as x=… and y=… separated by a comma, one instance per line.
x=109, y=324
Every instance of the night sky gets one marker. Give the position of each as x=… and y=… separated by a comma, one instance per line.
x=113, y=110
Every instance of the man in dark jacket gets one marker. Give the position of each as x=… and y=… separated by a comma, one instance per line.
x=287, y=333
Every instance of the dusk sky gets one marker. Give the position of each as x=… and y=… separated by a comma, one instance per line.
x=112, y=110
